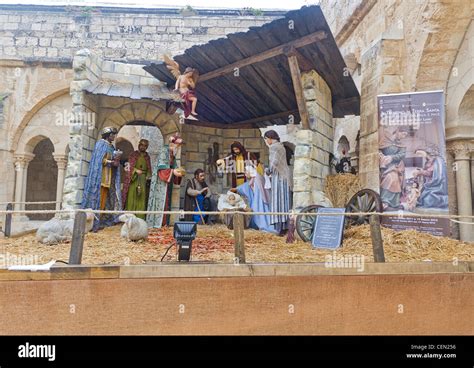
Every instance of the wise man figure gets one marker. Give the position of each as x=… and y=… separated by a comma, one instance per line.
x=236, y=162
x=165, y=174
x=102, y=186
x=137, y=174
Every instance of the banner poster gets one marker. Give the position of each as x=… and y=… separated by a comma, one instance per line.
x=412, y=161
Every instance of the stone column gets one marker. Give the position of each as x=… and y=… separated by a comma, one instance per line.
x=21, y=171
x=311, y=165
x=462, y=169
x=61, y=161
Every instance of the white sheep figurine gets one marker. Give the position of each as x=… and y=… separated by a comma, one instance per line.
x=134, y=228
x=57, y=231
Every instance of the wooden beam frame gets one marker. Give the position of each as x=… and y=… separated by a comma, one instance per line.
x=298, y=87
x=303, y=62
x=278, y=50
x=244, y=124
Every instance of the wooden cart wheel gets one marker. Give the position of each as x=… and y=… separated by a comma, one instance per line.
x=365, y=200
x=305, y=223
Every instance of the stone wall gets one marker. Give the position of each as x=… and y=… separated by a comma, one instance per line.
x=381, y=73
x=125, y=34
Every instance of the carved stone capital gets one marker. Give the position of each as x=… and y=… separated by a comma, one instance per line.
x=460, y=149
x=61, y=161
x=22, y=160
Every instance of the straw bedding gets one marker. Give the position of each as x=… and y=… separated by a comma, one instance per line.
x=215, y=244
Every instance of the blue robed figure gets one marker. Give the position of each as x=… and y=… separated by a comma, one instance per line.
x=258, y=198
x=102, y=186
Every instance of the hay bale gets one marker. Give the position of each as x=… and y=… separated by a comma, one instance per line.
x=340, y=188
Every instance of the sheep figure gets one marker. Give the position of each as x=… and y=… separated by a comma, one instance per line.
x=57, y=230
x=134, y=228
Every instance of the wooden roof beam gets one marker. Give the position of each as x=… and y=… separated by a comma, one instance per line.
x=278, y=50
x=298, y=86
x=250, y=123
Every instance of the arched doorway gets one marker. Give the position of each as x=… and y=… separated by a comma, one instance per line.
x=129, y=136
x=126, y=147
x=42, y=177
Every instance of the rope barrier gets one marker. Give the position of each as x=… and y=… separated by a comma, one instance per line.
x=461, y=222
x=180, y=212
x=44, y=202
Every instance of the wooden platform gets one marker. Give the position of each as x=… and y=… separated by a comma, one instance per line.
x=419, y=299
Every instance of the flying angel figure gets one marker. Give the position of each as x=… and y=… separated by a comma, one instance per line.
x=185, y=84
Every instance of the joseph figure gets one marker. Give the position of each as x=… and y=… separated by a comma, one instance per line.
x=134, y=186
x=165, y=175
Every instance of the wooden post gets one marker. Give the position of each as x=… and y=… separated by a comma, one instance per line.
x=8, y=221
x=77, y=244
x=298, y=87
x=239, y=243
x=377, y=241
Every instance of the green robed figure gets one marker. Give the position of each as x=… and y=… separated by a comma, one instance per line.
x=134, y=186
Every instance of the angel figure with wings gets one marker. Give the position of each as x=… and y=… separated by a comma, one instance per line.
x=185, y=84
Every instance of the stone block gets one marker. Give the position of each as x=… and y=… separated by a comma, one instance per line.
x=304, y=137
x=391, y=66
x=320, y=155
x=391, y=84
x=152, y=113
x=310, y=80
x=168, y=127
x=58, y=42
x=301, y=199
x=226, y=144
x=230, y=133
x=39, y=51
x=302, y=183
x=196, y=156
x=207, y=130
x=310, y=94
x=203, y=146
x=253, y=143
x=303, y=151
x=45, y=42
x=302, y=166
x=191, y=145
x=247, y=133
x=392, y=48
x=317, y=169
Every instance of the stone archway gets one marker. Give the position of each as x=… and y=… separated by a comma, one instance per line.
x=42, y=178
x=460, y=133
x=115, y=112
x=443, y=40
x=48, y=120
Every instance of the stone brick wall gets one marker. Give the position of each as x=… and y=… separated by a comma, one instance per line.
x=125, y=34
x=379, y=76
x=313, y=146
